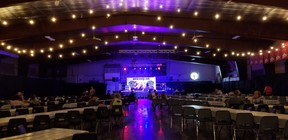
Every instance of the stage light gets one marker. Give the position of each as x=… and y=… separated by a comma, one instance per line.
x=159, y=68
x=194, y=75
x=145, y=68
x=124, y=69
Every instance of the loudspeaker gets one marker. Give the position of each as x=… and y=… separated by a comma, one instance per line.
x=115, y=79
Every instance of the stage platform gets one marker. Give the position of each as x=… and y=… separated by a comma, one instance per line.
x=139, y=94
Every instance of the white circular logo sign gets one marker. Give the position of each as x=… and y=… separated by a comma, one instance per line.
x=194, y=75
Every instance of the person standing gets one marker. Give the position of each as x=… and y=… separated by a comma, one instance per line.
x=267, y=90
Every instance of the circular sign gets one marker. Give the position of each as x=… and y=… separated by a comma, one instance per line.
x=194, y=75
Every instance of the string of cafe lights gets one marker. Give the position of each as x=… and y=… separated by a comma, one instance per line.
x=71, y=41
x=54, y=19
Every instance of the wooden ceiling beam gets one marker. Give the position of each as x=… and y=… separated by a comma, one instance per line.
x=6, y=3
x=238, y=45
x=281, y=4
x=253, y=30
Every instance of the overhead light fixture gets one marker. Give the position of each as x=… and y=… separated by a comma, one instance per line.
x=53, y=19
x=8, y=47
x=178, y=10
x=183, y=34
x=49, y=38
x=61, y=46
x=217, y=16
x=171, y=26
x=159, y=18
x=195, y=13
x=31, y=22
x=264, y=18
x=5, y=23
x=239, y=18
x=83, y=34
x=91, y=11
x=236, y=37
x=71, y=41
x=73, y=16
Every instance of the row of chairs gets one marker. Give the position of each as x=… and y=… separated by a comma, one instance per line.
x=280, y=109
x=72, y=118
x=244, y=123
x=36, y=109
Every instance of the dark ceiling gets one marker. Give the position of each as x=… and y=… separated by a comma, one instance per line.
x=189, y=25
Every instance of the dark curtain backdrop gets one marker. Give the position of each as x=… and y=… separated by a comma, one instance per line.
x=10, y=85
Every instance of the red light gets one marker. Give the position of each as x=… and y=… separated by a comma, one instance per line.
x=125, y=69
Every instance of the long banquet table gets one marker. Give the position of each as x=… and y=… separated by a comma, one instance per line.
x=30, y=117
x=257, y=115
x=48, y=134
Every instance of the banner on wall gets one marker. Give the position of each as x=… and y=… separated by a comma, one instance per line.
x=284, y=53
x=272, y=56
x=278, y=53
x=260, y=59
x=266, y=57
x=141, y=83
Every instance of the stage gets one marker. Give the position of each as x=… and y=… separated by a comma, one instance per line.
x=139, y=94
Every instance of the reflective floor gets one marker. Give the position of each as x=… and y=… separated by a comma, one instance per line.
x=142, y=123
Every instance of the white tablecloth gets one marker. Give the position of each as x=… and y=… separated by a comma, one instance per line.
x=257, y=115
x=48, y=134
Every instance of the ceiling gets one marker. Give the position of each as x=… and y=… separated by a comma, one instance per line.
x=185, y=30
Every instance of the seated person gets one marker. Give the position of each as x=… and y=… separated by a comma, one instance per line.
x=19, y=101
x=163, y=100
x=235, y=101
x=85, y=96
x=116, y=100
x=218, y=92
x=33, y=100
x=176, y=92
x=101, y=104
x=257, y=99
x=108, y=95
x=93, y=101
